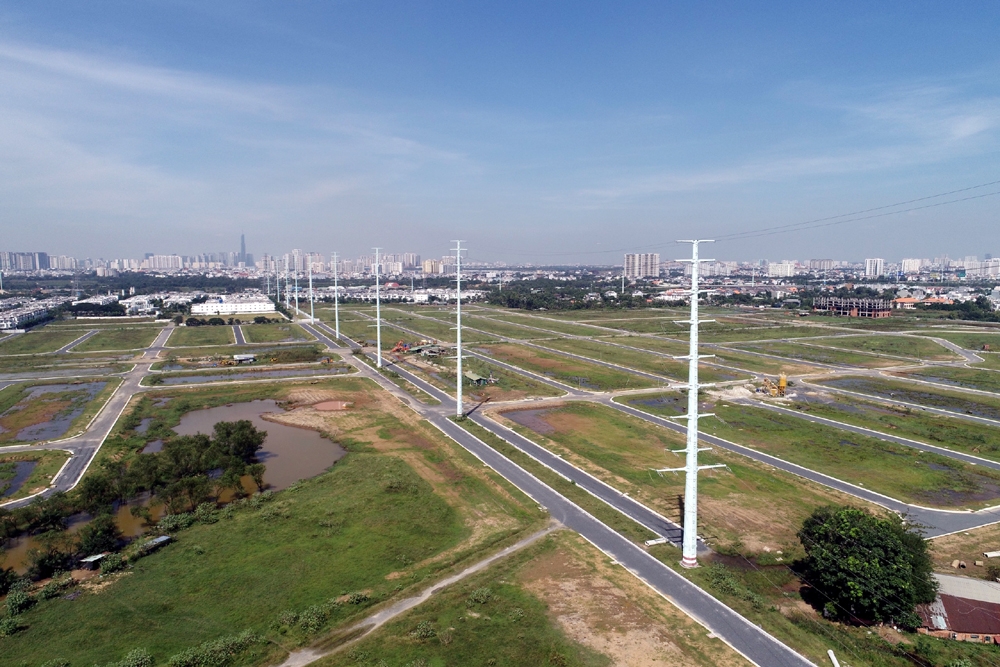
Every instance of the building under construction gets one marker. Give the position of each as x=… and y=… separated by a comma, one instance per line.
x=853, y=307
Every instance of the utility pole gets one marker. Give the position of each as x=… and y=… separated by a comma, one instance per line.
x=458, y=328
x=378, y=313
x=296, y=274
x=690, y=541
x=312, y=310
x=336, y=300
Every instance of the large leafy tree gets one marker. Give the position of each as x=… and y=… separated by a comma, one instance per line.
x=866, y=568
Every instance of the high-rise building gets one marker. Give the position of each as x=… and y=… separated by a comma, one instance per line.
x=781, y=269
x=910, y=265
x=874, y=267
x=243, y=250
x=642, y=265
x=821, y=264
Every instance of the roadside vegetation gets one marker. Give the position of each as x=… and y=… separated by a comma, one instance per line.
x=197, y=336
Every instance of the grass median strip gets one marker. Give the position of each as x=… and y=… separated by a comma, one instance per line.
x=968, y=378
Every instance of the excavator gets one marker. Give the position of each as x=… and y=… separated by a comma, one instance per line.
x=776, y=389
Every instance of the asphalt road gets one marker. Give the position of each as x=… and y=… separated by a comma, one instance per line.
x=71, y=345
x=238, y=332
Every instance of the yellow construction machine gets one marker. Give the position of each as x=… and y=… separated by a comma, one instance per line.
x=776, y=389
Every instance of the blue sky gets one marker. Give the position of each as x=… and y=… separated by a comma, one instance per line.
x=538, y=132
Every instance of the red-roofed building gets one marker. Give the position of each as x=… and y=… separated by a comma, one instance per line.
x=951, y=617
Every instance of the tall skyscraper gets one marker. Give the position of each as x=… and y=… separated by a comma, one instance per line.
x=243, y=249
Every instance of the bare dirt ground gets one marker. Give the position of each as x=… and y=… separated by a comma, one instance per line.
x=967, y=546
x=608, y=610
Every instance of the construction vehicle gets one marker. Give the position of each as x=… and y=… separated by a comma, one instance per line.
x=776, y=389
x=401, y=346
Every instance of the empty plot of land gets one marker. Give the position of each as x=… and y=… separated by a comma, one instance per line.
x=573, y=372
x=550, y=324
x=969, y=378
x=650, y=363
x=894, y=470
x=203, y=335
x=899, y=346
x=948, y=432
x=917, y=394
x=130, y=338
x=274, y=333
x=822, y=355
x=38, y=341
x=969, y=340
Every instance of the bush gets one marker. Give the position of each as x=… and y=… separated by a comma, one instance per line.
x=424, y=630
x=206, y=513
x=9, y=626
x=18, y=602
x=101, y=534
x=171, y=523
x=215, y=653
x=313, y=618
x=722, y=579
x=54, y=588
x=112, y=563
x=358, y=598
x=136, y=658
x=480, y=596
x=56, y=663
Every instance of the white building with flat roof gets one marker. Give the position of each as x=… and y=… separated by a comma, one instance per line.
x=642, y=265
x=234, y=304
x=874, y=267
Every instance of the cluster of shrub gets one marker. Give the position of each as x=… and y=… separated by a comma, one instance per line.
x=218, y=321
x=186, y=473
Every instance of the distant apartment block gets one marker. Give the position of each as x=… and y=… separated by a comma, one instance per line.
x=781, y=269
x=874, y=267
x=23, y=261
x=821, y=265
x=642, y=265
x=910, y=266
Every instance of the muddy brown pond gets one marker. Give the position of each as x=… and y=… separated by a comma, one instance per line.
x=290, y=454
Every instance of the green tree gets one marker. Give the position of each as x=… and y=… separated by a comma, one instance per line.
x=256, y=470
x=864, y=567
x=240, y=439
x=100, y=535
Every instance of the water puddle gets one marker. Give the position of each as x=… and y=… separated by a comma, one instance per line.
x=289, y=453
x=533, y=419
x=22, y=470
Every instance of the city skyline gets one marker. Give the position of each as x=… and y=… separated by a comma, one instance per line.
x=538, y=134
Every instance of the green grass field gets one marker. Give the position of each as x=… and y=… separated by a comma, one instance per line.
x=130, y=338
x=274, y=333
x=203, y=335
x=900, y=346
x=564, y=369
x=896, y=471
x=650, y=363
x=948, y=432
x=503, y=328
x=971, y=340
x=970, y=378
x=823, y=355
x=38, y=341
x=551, y=324
x=920, y=394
